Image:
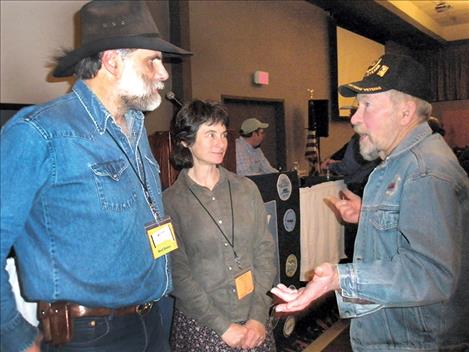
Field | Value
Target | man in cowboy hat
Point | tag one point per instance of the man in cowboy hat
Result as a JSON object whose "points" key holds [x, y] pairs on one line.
{"points": [[407, 287], [81, 195]]}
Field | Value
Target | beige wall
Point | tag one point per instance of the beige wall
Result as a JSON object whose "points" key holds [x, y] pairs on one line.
{"points": [[288, 39], [32, 32]]}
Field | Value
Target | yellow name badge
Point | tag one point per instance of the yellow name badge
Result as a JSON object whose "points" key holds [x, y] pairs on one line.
{"points": [[162, 238], [244, 284]]}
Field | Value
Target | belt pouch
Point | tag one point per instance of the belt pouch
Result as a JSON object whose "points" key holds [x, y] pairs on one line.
{"points": [[60, 323]]}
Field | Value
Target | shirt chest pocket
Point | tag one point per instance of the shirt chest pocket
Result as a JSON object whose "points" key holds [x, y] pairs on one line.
{"points": [[114, 186]]}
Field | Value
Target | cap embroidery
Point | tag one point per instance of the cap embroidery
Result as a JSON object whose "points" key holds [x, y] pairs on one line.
{"points": [[367, 90], [373, 68], [382, 71]]}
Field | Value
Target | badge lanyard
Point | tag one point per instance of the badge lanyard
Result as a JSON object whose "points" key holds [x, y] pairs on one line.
{"points": [[143, 182], [232, 243]]}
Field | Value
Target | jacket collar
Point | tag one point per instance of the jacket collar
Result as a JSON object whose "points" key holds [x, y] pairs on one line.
{"points": [[191, 183], [419, 133]]}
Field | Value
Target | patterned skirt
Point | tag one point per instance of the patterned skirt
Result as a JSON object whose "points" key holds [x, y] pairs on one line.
{"points": [[189, 336]]}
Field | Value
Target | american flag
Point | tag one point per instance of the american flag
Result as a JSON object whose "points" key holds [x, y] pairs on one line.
{"points": [[312, 151]]}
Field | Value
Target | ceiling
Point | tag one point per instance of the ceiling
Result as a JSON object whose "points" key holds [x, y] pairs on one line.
{"points": [[415, 24], [444, 20]]}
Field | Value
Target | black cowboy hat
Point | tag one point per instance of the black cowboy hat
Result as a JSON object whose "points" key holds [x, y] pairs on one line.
{"points": [[111, 24]]}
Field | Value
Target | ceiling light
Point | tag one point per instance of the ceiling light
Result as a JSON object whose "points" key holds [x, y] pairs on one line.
{"points": [[442, 6]]}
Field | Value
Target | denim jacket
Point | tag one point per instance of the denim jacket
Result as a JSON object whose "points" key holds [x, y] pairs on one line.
{"points": [[74, 210], [407, 287]]}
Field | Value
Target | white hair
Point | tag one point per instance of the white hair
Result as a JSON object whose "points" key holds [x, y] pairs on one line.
{"points": [[423, 108]]}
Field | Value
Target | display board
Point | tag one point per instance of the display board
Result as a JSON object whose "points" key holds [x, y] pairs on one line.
{"points": [[280, 192]]}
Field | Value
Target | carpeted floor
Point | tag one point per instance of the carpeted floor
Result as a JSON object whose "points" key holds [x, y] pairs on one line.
{"points": [[340, 344]]}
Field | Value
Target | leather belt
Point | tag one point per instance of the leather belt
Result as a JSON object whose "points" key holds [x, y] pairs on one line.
{"points": [[79, 311]]}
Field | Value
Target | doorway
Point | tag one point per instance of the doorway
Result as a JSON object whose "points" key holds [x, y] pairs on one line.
{"points": [[270, 111]]}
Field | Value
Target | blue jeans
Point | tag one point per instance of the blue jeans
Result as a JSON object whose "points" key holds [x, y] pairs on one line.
{"points": [[129, 333]]}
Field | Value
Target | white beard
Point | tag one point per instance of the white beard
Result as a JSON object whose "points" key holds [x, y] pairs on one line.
{"points": [[137, 92]]}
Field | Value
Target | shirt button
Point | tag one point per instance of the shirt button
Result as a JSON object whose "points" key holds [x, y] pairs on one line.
{"points": [[226, 244], [213, 198], [230, 268], [233, 290], [220, 222]]}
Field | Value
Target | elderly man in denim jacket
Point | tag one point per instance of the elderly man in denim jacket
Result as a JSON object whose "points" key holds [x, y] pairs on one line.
{"points": [[407, 288], [79, 188]]}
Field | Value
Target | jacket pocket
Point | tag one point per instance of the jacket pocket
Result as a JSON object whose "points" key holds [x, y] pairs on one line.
{"points": [[90, 330], [113, 184], [385, 220]]}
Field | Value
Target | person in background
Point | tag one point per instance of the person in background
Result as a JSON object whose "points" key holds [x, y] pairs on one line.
{"points": [[338, 155], [355, 171], [81, 195], [407, 287], [225, 264], [436, 125], [350, 164], [250, 160]]}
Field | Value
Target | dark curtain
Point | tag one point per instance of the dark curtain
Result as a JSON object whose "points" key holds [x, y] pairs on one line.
{"points": [[449, 71]]}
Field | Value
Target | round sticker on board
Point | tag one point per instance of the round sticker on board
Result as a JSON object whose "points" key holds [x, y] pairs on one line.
{"points": [[273, 318], [291, 265], [284, 187], [289, 326], [289, 220]]}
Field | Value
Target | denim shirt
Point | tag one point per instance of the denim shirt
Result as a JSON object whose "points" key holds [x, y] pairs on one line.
{"points": [[407, 287], [74, 210]]}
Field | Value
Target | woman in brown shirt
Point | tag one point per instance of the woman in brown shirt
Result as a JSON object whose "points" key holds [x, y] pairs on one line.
{"points": [[225, 262]]}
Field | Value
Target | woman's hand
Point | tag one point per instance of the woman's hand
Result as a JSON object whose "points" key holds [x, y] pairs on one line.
{"points": [[235, 335], [255, 335]]}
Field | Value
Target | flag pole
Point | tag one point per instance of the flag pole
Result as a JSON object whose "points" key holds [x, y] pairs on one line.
{"points": [[312, 150]]}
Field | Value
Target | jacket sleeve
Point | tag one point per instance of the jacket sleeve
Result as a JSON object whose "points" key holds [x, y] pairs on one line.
{"points": [[24, 170], [426, 267]]}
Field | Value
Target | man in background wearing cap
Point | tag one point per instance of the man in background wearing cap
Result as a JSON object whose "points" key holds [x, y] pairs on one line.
{"points": [[407, 286], [250, 160], [81, 195]]}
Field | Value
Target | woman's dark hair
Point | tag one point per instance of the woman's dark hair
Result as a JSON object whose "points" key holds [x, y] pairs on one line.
{"points": [[187, 122]]}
